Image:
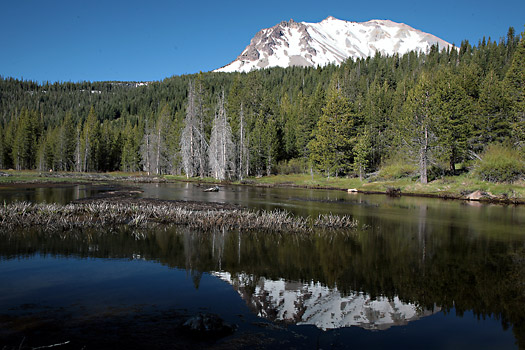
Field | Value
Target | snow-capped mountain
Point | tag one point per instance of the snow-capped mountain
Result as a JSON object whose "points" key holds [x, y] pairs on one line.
{"points": [[315, 304], [329, 41]]}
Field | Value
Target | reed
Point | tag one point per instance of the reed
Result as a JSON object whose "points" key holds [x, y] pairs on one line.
{"points": [[107, 214]]}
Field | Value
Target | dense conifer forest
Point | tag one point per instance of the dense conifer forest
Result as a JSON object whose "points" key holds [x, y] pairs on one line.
{"points": [[432, 114]]}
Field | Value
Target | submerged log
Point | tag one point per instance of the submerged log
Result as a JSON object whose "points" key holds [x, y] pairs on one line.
{"points": [[212, 189]]}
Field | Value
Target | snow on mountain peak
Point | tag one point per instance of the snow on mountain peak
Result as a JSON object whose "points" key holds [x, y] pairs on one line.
{"points": [[330, 41]]}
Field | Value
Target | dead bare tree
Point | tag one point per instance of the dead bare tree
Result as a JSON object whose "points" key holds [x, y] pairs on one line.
{"points": [[221, 148], [193, 143], [243, 152], [147, 149]]}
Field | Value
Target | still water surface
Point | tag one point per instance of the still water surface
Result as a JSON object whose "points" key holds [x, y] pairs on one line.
{"points": [[417, 273]]}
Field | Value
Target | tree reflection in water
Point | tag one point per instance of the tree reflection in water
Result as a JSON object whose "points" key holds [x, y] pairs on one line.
{"points": [[375, 277]]}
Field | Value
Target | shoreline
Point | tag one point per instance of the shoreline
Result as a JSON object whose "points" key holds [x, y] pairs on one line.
{"points": [[390, 188]]}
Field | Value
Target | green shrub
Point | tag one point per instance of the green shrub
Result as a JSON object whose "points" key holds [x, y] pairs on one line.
{"points": [[396, 169], [500, 164], [293, 166]]}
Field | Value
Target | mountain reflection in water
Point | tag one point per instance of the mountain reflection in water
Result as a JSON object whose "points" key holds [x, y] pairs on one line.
{"points": [[321, 306]]}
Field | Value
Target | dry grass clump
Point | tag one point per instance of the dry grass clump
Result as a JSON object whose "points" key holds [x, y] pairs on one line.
{"points": [[107, 214], [335, 221]]}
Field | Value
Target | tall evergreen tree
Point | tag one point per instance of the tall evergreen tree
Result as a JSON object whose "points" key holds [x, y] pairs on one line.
{"points": [[452, 108], [334, 136], [362, 152], [25, 140], [418, 126], [270, 142], [90, 143], [491, 122], [130, 159], [515, 88], [64, 152]]}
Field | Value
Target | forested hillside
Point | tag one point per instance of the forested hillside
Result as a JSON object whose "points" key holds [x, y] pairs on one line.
{"points": [[436, 112]]}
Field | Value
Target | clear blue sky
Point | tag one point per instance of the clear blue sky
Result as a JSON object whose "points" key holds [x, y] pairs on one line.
{"points": [[78, 40]]}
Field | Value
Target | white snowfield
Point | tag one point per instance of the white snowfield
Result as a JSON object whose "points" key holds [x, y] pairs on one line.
{"points": [[326, 308], [329, 41]]}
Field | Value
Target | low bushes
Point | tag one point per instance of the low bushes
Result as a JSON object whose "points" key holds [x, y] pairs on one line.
{"points": [[500, 163], [293, 166], [397, 169]]}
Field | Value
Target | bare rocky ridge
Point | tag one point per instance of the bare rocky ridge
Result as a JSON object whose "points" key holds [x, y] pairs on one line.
{"points": [[329, 41]]}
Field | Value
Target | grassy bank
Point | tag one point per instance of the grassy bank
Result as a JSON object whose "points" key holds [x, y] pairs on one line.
{"points": [[32, 176], [36, 177], [459, 187], [453, 187]]}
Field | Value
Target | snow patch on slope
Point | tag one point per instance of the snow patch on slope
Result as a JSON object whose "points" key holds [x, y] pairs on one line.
{"points": [[329, 41]]}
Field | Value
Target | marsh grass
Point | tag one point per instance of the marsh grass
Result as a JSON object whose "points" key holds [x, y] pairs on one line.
{"points": [[108, 214]]}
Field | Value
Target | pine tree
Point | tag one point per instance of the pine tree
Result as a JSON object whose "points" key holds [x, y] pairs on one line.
{"points": [[2, 148], [452, 107], [45, 150], [90, 143], [257, 146], [270, 143], [515, 88], [333, 139], [362, 151], [418, 125], [289, 119], [377, 110], [25, 141], [64, 151], [130, 149], [8, 143], [309, 114], [491, 122]]}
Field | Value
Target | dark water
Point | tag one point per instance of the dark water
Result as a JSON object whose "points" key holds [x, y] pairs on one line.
{"points": [[37, 193], [417, 273]]}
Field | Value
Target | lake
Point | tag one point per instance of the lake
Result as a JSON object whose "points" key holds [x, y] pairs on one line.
{"points": [[416, 273]]}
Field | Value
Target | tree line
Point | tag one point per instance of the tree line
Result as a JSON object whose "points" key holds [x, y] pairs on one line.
{"points": [[436, 110]]}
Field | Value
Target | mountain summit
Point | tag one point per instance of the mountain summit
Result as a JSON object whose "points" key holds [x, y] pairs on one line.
{"points": [[329, 41]]}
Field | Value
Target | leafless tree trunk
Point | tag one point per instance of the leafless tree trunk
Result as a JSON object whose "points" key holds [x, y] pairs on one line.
{"points": [[221, 149], [423, 156], [86, 151], [146, 149], [193, 143], [243, 147], [77, 152]]}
